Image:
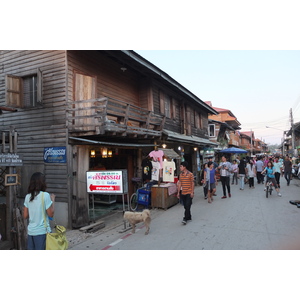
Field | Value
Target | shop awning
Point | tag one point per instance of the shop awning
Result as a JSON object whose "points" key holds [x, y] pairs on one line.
{"points": [[111, 143], [189, 139], [170, 153]]}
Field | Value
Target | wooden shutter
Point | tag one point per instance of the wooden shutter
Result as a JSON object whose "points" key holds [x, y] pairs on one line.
{"points": [[85, 89], [161, 103], [188, 121], [39, 86], [14, 93]]}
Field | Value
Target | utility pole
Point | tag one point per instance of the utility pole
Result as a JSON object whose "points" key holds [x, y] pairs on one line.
{"points": [[251, 143], [292, 128]]}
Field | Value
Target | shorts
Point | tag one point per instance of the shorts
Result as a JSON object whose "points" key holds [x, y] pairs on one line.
{"points": [[212, 186]]}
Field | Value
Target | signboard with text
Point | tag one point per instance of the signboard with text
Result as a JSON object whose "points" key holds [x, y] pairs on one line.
{"points": [[55, 155], [10, 160], [107, 182]]}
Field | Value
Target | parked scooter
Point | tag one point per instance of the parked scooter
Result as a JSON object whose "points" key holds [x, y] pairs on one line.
{"points": [[296, 171]]}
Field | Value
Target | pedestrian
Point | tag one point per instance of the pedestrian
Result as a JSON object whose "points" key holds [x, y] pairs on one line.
{"points": [[214, 163], [242, 173], [204, 179], [212, 181], [251, 173], [278, 170], [38, 206], [259, 168], [287, 164], [265, 161], [225, 169], [234, 170], [186, 184], [270, 171], [211, 158]]}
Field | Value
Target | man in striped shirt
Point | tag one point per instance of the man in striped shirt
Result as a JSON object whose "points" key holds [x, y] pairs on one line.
{"points": [[186, 186]]}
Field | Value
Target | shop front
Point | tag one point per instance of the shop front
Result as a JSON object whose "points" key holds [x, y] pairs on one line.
{"points": [[91, 156], [156, 164]]}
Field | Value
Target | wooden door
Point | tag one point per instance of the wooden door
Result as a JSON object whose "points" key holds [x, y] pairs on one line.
{"points": [[80, 199]]}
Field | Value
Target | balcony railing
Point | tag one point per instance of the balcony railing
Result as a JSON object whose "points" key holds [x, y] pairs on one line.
{"points": [[111, 116]]}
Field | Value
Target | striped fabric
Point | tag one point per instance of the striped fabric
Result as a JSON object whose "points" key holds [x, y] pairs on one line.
{"points": [[186, 182]]}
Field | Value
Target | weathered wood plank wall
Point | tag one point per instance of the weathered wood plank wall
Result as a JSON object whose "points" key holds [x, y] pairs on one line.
{"points": [[111, 80], [41, 126]]}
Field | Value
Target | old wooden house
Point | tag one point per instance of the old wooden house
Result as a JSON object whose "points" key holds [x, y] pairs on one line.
{"points": [[75, 111]]}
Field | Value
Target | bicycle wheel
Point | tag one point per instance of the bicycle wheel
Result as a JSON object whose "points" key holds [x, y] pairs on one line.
{"points": [[270, 190], [267, 191], [133, 201]]}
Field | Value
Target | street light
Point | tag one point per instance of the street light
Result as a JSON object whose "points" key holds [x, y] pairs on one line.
{"points": [[282, 137]]}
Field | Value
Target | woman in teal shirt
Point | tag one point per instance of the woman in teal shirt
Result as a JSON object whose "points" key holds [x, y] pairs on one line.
{"points": [[270, 171], [35, 209]]}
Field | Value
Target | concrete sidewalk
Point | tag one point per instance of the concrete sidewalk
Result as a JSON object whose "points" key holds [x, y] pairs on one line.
{"points": [[248, 220]]}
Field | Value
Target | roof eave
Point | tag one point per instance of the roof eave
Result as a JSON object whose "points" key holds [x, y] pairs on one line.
{"points": [[169, 79]]}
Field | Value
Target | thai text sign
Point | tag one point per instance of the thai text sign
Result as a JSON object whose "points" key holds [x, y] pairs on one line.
{"points": [[55, 155], [106, 182], [10, 160]]}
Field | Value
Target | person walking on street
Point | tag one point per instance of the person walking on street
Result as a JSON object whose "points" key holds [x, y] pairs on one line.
{"points": [[250, 172], [204, 180], [225, 168], [234, 169], [259, 169], [278, 170], [287, 169], [211, 158], [242, 173], [212, 181], [186, 184], [214, 163], [37, 204]]}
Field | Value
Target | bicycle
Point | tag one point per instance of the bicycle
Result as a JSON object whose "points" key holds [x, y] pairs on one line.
{"points": [[133, 201], [269, 188]]}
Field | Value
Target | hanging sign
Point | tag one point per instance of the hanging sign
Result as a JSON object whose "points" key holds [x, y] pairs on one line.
{"points": [[55, 155], [107, 182], [10, 160]]}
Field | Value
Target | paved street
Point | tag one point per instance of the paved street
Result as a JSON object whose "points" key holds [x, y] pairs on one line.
{"points": [[246, 221]]}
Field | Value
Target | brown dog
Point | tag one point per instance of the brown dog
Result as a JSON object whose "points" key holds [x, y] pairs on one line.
{"points": [[138, 217]]}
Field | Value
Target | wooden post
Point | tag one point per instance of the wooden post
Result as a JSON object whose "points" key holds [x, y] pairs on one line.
{"points": [[3, 141], [11, 194]]}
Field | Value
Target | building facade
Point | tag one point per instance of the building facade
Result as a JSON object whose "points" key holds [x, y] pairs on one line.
{"points": [[76, 111]]}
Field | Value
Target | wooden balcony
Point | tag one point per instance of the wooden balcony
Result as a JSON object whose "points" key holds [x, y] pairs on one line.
{"points": [[108, 116]]}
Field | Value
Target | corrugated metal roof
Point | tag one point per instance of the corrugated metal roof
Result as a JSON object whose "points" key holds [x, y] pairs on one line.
{"points": [[111, 143], [170, 153], [189, 139]]}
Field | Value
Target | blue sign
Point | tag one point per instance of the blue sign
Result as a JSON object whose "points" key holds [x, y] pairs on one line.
{"points": [[55, 155]]}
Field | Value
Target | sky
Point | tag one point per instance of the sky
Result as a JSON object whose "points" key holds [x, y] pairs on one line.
{"points": [[260, 87], [239, 55]]}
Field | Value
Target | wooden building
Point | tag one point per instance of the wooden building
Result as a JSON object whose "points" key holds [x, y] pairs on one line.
{"points": [[65, 104]]}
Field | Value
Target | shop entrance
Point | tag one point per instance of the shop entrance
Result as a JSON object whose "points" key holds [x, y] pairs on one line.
{"points": [[103, 158]]}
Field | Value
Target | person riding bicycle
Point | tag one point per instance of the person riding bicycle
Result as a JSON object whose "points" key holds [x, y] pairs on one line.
{"points": [[270, 171]]}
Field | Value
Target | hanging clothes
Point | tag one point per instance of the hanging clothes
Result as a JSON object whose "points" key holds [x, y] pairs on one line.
{"points": [[157, 155], [168, 171], [155, 170], [147, 169]]}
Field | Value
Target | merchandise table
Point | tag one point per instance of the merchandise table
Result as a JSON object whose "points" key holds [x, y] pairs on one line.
{"points": [[164, 195]]}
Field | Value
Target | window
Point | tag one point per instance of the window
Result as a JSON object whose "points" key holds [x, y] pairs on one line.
{"points": [[165, 104], [24, 91], [211, 130], [200, 121]]}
